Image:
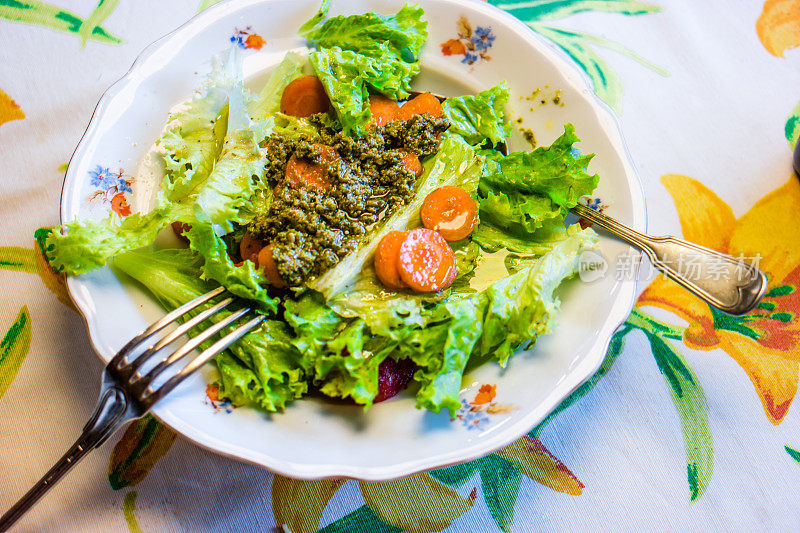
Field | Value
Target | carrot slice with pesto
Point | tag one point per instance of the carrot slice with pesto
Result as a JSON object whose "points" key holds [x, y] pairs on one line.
{"points": [[451, 211], [426, 262], [303, 97], [304, 173]]}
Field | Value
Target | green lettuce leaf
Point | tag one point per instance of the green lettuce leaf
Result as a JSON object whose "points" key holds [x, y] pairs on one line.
{"points": [[296, 127], [195, 135], [519, 213], [442, 350], [522, 306], [400, 35], [340, 72], [79, 247], [244, 281], [479, 117], [340, 353], [239, 172], [202, 183], [358, 52], [555, 171], [263, 369]]}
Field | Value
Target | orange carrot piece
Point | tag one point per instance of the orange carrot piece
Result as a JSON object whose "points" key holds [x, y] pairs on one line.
{"points": [[303, 97], [423, 103], [382, 110], [249, 247], [412, 164], [266, 262], [386, 260], [451, 211], [426, 262]]}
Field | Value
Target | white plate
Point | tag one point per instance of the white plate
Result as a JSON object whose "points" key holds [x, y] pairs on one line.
{"points": [[314, 439]]}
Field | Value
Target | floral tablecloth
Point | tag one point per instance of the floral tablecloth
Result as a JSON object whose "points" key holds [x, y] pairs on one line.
{"points": [[688, 424]]}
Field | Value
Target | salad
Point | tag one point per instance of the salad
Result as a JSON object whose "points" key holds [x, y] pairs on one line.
{"points": [[384, 233]]}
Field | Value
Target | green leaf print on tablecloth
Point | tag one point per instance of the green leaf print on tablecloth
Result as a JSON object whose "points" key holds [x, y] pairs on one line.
{"points": [[55, 18], [144, 442], [578, 45], [792, 128], [13, 348], [690, 400], [794, 454], [206, 3], [100, 13]]}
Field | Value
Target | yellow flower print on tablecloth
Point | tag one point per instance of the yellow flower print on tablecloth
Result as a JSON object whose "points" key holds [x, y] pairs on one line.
{"points": [[765, 341], [9, 109], [778, 26]]}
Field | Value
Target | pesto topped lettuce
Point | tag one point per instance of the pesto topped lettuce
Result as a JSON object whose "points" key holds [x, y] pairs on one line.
{"points": [[334, 331]]}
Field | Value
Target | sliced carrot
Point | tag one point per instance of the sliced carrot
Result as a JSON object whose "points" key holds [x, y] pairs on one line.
{"points": [[412, 164], [249, 247], [451, 211], [426, 262], [304, 173], [180, 228], [422, 103], [304, 96], [386, 259], [266, 262], [382, 110]]}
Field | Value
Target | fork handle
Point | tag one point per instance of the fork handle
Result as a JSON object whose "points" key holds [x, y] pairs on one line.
{"points": [[108, 416], [725, 282]]}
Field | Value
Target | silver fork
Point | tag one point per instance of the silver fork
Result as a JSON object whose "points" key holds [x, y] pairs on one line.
{"points": [[127, 391]]}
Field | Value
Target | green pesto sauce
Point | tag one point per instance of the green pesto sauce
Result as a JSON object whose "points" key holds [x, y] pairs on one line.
{"points": [[312, 230]]}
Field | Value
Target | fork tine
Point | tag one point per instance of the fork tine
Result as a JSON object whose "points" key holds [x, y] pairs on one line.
{"points": [[193, 343], [162, 323], [140, 360], [152, 396]]}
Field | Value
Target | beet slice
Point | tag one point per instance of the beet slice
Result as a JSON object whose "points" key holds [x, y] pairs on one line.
{"points": [[393, 377]]}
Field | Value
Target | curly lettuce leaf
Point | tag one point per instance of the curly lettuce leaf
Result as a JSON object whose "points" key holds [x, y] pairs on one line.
{"points": [[479, 117], [456, 163], [202, 183], [555, 171], [371, 34], [340, 72], [523, 306], [263, 369], [442, 349], [79, 247], [226, 196], [358, 52], [195, 135], [340, 353], [516, 212], [244, 281]]}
